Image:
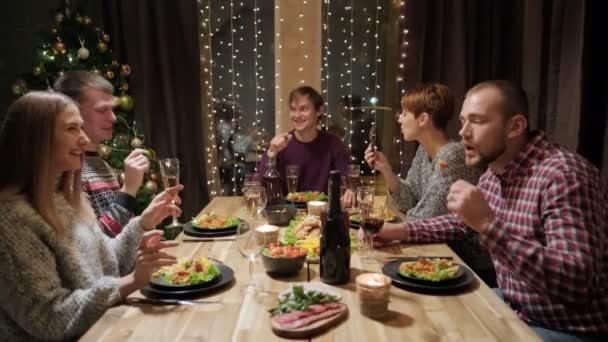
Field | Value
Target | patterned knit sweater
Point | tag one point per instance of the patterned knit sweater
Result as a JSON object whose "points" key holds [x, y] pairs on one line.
{"points": [[113, 208], [56, 288], [423, 194]]}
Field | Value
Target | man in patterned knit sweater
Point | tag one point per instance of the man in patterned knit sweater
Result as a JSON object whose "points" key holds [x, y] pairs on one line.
{"points": [[539, 209], [113, 205]]}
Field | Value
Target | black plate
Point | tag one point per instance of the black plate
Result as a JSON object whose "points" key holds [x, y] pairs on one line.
{"points": [[191, 231], [447, 286], [224, 229], [299, 205], [226, 277], [160, 284]]}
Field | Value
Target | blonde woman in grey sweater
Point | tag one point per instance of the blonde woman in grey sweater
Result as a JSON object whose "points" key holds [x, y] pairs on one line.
{"points": [[59, 272]]}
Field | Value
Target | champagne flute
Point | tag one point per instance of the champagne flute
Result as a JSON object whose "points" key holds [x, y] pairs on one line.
{"points": [[251, 179], [293, 171], [354, 176], [249, 247], [256, 199], [169, 170]]}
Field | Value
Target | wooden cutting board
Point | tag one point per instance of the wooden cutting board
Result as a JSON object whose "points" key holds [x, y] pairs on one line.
{"points": [[312, 329]]}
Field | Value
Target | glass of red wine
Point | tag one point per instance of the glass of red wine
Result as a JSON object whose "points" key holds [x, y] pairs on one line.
{"points": [[371, 223]]}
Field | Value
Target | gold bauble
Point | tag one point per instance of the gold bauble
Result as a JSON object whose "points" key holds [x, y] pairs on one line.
{"points": [[109, 74], [124, 86], [104, 151], [59, 47], [125, 70], [151, 187], [136, 142], [155, 176], [120, 140], [59, 17], [120, 176], [126, 102], [102, 47], [83, 53], [105, 37]]}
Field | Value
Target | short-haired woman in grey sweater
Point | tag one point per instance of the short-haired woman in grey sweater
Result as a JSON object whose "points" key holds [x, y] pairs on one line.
{"points": [[439, 162], [59, 272]]}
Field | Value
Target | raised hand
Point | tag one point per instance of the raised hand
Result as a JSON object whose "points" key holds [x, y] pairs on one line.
{"points": [[467, 202], [377, 160], [162, 206], [135, 165], [150, 257], [279, 142]]}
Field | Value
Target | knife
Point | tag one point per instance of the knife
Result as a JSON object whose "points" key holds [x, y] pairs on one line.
{"points": [[209, 240], [136, 301]]}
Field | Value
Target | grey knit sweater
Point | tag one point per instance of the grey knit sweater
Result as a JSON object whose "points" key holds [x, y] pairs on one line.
{"points": [[423, 193], [56, 288]]}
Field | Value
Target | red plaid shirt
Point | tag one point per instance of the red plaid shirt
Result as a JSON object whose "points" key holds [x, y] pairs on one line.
{"points": [[549, 241]]}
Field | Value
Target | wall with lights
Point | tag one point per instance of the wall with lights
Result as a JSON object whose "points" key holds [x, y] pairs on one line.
{"points": [[297, 51]]}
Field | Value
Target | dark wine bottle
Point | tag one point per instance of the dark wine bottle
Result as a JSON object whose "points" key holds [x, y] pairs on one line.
{"points": [[272, 181], [335, 240]]}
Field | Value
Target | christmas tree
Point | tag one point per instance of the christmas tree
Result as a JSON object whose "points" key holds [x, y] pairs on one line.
{"points": [[74, 42]]}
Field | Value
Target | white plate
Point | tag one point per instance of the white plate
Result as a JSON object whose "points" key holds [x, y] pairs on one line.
{"points": [[314, 286]]}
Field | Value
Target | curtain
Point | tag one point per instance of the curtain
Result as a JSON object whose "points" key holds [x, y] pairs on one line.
{"points": [[161, 42], [552, 48]]}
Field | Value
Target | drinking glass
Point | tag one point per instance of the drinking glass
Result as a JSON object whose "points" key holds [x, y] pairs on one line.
{"points": [[249, 247], [256, 199], [292, 172], [251, 179], [365, 201], [354, 176], [169, 171], [372, 221]]}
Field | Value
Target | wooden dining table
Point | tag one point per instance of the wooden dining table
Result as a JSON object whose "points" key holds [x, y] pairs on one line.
{"points": [[475, 314]]}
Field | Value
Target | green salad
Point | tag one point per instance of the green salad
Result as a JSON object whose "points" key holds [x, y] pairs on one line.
{"points": [[435, 269], [188, 272]]}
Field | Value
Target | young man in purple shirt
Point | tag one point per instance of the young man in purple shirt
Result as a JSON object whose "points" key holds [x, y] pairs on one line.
{"points": [[314, 151], [539, 209]]}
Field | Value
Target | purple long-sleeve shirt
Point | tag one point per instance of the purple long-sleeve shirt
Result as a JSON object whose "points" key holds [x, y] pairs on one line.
{"points": [[315, 159]]}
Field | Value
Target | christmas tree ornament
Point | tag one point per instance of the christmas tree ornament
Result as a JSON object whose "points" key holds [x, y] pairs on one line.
{"points": [[115, 63], [125, 70], [83, 53], [120, 176], [37, 70], [59, 17], [109, 74], [124, 86], [79, 19], [17, 90], [151, 187], [59, 47], [154, 176], [136, 142], [121, 140], [104, 151], [105, 37], [102, 47], [126, 102], [87, 20]]}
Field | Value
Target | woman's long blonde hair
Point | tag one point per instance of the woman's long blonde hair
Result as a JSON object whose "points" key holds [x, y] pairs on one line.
{"points": [[27, 144]]}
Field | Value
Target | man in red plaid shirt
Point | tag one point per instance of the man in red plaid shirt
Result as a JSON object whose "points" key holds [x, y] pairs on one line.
{"points": [[540, 210]]}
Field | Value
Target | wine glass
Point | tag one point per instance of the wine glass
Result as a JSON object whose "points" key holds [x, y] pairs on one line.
{"points": [[169, 171], [256, 199], [292, 171], [354, 174], [249, 247], [251, 179], [365, 200]]}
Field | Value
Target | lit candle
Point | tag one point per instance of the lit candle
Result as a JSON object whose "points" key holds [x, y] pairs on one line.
{"points": [[266, 234], [316, 207], [374, 291]]}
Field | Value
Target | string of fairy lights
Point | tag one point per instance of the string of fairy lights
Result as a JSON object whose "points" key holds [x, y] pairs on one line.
{"points": [[346, 47], [211, 149]]}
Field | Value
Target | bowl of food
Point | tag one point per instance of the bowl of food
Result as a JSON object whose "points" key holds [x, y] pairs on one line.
{"points": [[283, 260], [280, 214]]}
